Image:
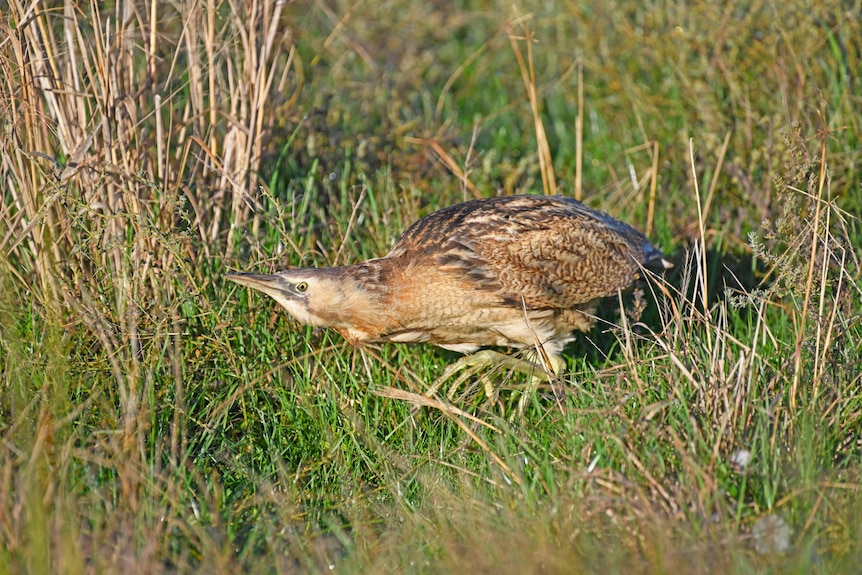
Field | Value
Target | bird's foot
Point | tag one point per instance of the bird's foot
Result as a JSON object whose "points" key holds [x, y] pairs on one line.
{"points": [[471, 364]]}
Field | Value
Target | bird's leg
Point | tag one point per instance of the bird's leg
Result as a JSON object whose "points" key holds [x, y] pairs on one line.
{"points": [[471, 364], [543, 375]]}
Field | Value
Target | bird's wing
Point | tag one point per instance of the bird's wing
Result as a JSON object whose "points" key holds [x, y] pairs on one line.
{"points": [[562, 266], [553, 252]]}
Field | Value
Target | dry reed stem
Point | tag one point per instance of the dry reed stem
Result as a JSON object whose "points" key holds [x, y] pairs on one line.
{"points": [[528, 75]]}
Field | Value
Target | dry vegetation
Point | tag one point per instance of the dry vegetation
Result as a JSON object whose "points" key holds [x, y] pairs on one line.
{"points": [[154, 419]]}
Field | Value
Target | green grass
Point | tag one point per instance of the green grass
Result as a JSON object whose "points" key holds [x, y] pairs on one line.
{"points": [[156, 418]]}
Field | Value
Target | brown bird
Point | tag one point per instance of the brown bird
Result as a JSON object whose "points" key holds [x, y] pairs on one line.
{"points": [[514, 271]]}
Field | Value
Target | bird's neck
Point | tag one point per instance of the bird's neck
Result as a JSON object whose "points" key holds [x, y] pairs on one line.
{"points": [[364, 310]]}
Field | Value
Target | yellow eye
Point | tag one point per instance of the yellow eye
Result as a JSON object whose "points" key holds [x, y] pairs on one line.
{"points": [[301, 286]]}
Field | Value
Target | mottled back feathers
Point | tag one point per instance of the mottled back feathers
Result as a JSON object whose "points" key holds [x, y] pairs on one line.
{"points": [[552, 251]]}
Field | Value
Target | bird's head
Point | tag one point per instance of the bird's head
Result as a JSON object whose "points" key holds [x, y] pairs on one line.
{"points": [[313, 296], [320, 297]]}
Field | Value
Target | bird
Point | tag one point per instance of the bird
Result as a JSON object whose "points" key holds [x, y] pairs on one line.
{"points": [[516, 272]]}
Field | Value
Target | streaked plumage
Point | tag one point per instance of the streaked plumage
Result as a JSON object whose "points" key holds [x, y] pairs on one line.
{"points": [[461, 278]]}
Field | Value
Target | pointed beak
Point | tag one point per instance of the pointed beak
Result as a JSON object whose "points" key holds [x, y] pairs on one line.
{"points": [[270, 284]]}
